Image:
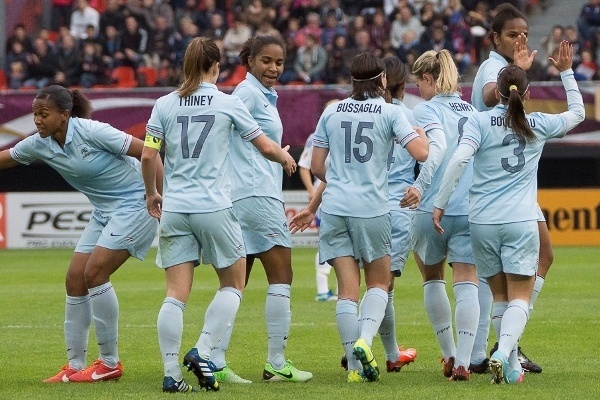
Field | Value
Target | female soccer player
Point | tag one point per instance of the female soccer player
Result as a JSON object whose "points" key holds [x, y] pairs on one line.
{"points": [[509, 35], [258, 203], [100, 162], [357, 135], [506, 144], [401, 174], [443, 116], [196, 216]]}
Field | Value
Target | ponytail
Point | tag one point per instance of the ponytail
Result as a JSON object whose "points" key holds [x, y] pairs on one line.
{"points": [[440, 65], [512, 85]]}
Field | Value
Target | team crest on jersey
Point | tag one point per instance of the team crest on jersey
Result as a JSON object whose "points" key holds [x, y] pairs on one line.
{"points": [[85, 152]]}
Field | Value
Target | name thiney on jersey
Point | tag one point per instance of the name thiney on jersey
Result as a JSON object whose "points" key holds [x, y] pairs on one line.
{"points": [[190, 101]]}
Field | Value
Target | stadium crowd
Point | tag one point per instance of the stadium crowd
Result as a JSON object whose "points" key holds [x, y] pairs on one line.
{"points": [[129, 43]]}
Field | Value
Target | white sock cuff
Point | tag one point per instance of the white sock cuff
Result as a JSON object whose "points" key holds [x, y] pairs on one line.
{"points": [[345, 306], [175, 302], [434, 282], [498, 308], [539, 282], [232, 290], [74, 300], [279, 289], [375, 291], [98, 290], [522, 304], [462, 290]]}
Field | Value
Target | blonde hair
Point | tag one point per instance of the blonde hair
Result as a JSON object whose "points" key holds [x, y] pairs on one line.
{"points": [[443, 69]]}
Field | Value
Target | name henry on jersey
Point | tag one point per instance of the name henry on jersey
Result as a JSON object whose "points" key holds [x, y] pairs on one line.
{"points": [[461, 107], [191, 101], [359, 108]]}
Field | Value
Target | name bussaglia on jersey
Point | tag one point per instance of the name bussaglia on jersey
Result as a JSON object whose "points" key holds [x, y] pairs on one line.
{"points": [[359, 108]]}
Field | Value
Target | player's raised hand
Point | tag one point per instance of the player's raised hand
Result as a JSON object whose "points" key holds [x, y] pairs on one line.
{"points": [[564, 60], [521, 56]]}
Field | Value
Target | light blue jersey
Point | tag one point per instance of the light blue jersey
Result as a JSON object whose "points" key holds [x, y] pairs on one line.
{"points": [[196, 131], [448, 113], [504, 186], [251, 173], [401, 165], [359, 137], [93, 161], [487, 72]]}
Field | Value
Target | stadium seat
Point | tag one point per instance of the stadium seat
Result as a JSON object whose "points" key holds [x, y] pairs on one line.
{"points": [[149, 76], [3, 82], [125, 77], [238, 75]]}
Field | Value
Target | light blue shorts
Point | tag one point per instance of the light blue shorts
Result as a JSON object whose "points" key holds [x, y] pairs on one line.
{"points": [[510, 248], [132, 231], [215, 238], [401, 242], [365, 239], [263, 222], [454, 244]]}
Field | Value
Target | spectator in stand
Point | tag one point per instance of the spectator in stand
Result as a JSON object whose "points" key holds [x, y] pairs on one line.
{"points": [[312, 27], [93, 69], [338, 65], [379, 30], [267, 29], [217, 28], [16, 65], [188, 30], [460, 34], [291, 51], [427, 14], [572, 37], [333, 7], [112, 54], [256, 13], [43, 65], [479, 21], [587, 70], [404, 20], [82, 16], [61, 13], [331, 30], [436, 38], [292, 32], [358, 24], [311, 61], [69, 62], [391, 7], [19, 34], [146, 12], [234, 39], [283, 12], [408, 48], [163, 42], [303, 8], [206, 13], [134, 43], [189, 10], [552, 40], [113, 14], [363, 44]]}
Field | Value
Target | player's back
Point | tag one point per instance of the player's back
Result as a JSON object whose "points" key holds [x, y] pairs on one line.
{"points": [[449, 113]]}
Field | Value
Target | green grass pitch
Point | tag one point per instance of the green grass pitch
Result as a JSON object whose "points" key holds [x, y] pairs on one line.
{"points": [[563, 335]]}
